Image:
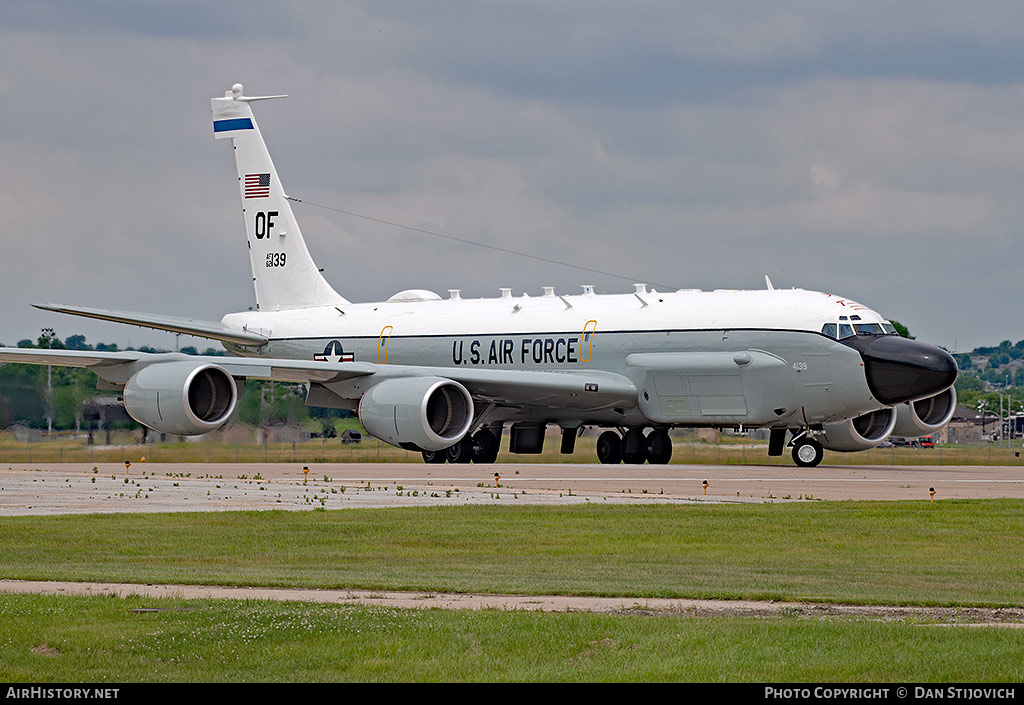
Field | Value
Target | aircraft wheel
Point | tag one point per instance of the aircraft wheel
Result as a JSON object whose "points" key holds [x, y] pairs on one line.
{"points": [[634, 447], [433, 457], [461, 452], [609, 448], [485, 447], [807, 452], [659, 447]]}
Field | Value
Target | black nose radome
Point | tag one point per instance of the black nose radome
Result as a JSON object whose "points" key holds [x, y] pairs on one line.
{"points": [[899, 369]]}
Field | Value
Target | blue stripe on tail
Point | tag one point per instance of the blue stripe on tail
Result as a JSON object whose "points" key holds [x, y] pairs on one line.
{"points": [[229, 125]]}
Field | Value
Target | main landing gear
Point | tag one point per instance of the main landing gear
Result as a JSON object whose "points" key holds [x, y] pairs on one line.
{"points": [[481, 447], [633, 447]]}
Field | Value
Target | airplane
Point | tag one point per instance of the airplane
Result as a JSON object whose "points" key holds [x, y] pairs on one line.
{"points": [[445, 377]]}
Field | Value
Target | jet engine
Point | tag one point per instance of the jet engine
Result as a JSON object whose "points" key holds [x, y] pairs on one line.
{"points": [[183, 398], [417, 413], [925, 416], [861, 433]]}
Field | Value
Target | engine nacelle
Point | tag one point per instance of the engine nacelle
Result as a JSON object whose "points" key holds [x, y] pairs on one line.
{"points": [[925, 416], [861, 433], [182, 398], [417, 413]]}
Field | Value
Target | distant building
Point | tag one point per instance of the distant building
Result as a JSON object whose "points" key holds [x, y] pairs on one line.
{"points": [[104, 410], [968, 426], [26, 434], [282, 433]]}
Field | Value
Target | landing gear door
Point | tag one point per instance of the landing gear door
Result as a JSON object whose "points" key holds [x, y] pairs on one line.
{"points": [[814, 373]]}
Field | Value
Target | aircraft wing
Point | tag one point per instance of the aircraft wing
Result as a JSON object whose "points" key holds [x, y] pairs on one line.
{"points": [[189, 326], [579, 390], [590, 390], [69, 358]]}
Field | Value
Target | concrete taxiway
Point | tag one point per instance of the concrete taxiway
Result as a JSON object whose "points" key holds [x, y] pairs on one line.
{"points": [[72, 488]]}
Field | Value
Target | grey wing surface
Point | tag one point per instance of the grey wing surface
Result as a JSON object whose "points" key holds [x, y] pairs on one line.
{"points": [[576, 390]]}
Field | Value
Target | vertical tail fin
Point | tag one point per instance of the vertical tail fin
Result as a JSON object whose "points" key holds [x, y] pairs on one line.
{"points": [[283, 272]]}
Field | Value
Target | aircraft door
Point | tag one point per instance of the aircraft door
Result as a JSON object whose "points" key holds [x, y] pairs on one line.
{"points": [[587, 341], [815, 373], [382, 344]]}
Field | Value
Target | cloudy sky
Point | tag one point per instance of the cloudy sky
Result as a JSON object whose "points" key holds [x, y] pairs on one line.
{"points": [[873, 149]]}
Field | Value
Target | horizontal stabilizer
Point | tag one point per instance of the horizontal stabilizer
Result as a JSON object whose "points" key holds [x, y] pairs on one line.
{"points": [[201, 329]]}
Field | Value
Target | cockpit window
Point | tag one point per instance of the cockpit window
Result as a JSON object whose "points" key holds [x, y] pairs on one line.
{"points": [[839, 331]]}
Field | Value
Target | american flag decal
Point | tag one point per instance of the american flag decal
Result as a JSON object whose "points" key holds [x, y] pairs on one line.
{"points": [[257, 185]]}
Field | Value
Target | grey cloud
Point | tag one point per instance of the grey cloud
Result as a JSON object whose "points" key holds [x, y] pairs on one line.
{"points": [[857, 148]]}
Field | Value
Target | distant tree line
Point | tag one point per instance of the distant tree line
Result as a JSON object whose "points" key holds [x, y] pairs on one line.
{"points": [[986, 373], [26, 398]]}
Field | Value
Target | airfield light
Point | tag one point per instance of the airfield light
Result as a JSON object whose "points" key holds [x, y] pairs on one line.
{"points": [[931, 491], [705, 488], [305, 473], [127, 466], [497, 479]]}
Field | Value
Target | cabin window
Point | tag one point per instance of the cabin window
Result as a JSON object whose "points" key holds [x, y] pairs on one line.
{"points": [[829, 329]]}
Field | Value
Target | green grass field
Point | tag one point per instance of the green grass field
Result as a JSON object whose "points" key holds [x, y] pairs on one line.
{"points": [[97, 639], [948, 553], [910, 553]]}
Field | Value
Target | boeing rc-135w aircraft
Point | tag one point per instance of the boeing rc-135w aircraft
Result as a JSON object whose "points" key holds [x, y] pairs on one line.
{"points": [[446, 376]]}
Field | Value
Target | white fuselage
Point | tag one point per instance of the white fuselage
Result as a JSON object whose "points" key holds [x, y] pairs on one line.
{"points": [[824, 379]]}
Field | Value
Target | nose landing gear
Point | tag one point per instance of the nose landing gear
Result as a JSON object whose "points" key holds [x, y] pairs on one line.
{"points": [[807, 452]]}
